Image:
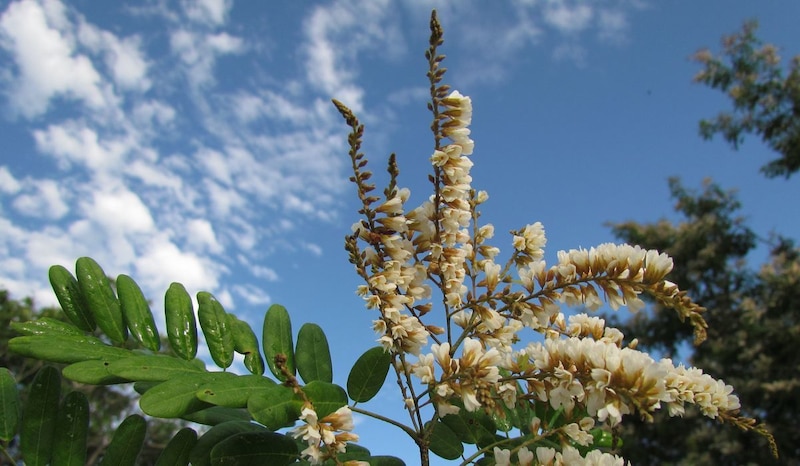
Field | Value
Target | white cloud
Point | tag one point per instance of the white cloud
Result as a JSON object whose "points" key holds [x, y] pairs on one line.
{"points": [[223, 200], [199, 51], [338, 33], [44, 199], [252, 294], [46, 60], [571, 52], [119, 210], [264, 272], [200, 235], [8, 184], [75, 143], [216, 165], [613, 25], [314, 249], [210, 12], [569, 19], [153, 112], [122, 56], [163, 262]]}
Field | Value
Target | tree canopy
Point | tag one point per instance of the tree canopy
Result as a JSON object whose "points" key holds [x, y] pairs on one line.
{"points": [[766, 100]]}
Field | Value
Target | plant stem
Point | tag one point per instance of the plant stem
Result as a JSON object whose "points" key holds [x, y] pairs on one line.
{"points": [[404, 427]]}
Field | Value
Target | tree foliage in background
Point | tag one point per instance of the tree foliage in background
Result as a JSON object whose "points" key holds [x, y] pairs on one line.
{"points": [[765, 102], [753, 313], [107, 405], [754, 324]]}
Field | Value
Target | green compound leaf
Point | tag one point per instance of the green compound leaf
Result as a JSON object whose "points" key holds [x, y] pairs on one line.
{"points": [[70, 298], [368, 374], [103, 303], [157, 367], [444, 442], [179, 448], [235, 391], [126, 443], [9, 405], [46, 326], [275, 407], [69, 445], [137, 314], [312, 355], [214, 322], [250, 448], [201, 453], [39, 417], [181, 324], [177, 396], [326, 397], [92, 372], [277, 339], [65, 349]]}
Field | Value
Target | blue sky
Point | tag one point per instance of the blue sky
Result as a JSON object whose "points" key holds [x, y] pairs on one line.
{"points": [[194, 141]]}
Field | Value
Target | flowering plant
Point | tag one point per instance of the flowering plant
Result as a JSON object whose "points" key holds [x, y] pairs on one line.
{"points": [[481, 350]]}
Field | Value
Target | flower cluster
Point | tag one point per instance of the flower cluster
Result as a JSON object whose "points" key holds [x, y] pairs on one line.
{"points": [[545, 456], [321, 434], [578, 367]]}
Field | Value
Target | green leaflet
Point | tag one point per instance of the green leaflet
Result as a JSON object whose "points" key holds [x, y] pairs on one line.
{"points": [[156, 367], [92, 372], [250, 448], [103, 303], [246, 343], [181, 324], [254, 363], [233, 392], [473, 428], [137, 314], [177, 396], [69, 445], [217, 415], [214, 322], [9, 405], [444, 442], [277, 340], [385, 460], [201, 453], [275, 407], [604, 439], [368, 374], [65, 349], [46, 326], [326, 397], [69, 296], [126, 443], [177, 451], [39, 417], [312, 355]]}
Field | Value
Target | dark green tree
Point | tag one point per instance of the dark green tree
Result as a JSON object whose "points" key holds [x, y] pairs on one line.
{"points": [[754, 323], [765, 101]]}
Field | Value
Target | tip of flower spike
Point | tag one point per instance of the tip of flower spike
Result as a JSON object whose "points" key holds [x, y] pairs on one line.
{"points": [[345, 111]]}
